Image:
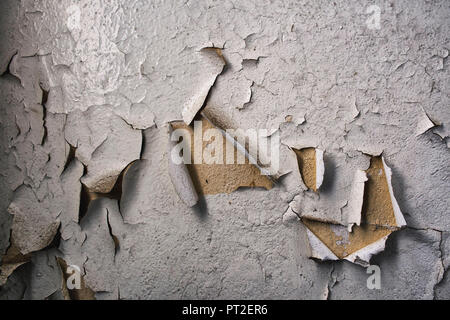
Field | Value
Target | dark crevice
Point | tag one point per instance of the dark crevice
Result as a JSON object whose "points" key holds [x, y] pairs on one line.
{"points": [[44, 114], [85, 199], [56, 240], [116, 191], [7, 75], [116, 241], [8, 67], [44, 96], [70, 156], [87, 196], [142, 145]]}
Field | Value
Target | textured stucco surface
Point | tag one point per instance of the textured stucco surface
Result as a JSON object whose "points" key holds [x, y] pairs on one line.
{"points": [[87, 89]]}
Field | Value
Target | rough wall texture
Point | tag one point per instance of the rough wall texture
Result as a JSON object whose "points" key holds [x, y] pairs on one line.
{"points": [[88, 87]]}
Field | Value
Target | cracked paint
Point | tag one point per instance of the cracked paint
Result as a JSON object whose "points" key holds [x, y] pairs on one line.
{"points": [[88, 89]]}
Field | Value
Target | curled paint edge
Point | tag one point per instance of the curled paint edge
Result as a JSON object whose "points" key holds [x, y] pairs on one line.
{"points": [[180, 177], [196, 102], [424, 124], [318, 249], [356, 199], [363, 255], [399, 218], [320, 168]]}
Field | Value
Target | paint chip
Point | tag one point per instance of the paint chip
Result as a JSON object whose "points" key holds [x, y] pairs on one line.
{"points": [[216, 63], [424, 124], [311, 166], [367, 232]]}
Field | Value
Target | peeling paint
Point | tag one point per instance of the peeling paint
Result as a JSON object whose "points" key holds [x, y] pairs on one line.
{"points": [[88, 89]]}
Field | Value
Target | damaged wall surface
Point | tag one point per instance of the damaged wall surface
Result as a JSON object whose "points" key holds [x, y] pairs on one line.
{"points": [[91, 91]]}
